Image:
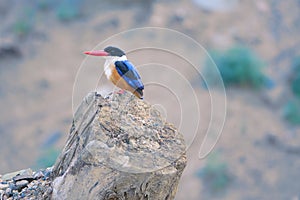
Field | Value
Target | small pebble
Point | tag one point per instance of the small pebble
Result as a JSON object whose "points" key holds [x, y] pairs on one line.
{"points": [[3, 197], [49, 190], [21, 184], [23, 177], [22, 195], [3, 186], [47, 174], [12, 186], [38, 175], [8, 191]]}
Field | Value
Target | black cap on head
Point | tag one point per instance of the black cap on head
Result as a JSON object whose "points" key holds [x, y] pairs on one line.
{"points": [[114, 51]]}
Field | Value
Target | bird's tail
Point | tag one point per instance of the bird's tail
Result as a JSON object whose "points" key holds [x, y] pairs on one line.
{"points": [[138, 93]]}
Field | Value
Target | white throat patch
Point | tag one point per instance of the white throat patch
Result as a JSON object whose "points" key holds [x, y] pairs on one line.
{"points": [[110, 60]]}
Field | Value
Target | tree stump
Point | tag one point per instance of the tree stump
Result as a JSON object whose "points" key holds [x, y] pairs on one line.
{"points": [[119, 147]]}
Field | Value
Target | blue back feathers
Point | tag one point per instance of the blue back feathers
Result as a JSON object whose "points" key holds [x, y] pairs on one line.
{"points": [[130, 74]]}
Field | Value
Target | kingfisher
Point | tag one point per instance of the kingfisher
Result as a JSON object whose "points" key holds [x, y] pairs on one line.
{"points": [[119, 70]]}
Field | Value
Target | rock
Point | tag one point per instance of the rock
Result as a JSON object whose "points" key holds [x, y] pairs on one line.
{"points": [[23, 177], [22, 195], [3, 186], [47, 172], [119, 147], [12, 186], [21, 184], [8, 192], [9, 176], [2, 194], [25, 185], [38, 175]]}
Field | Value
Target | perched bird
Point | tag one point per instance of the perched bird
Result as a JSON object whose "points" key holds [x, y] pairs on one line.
{"points": [[119, 70]]}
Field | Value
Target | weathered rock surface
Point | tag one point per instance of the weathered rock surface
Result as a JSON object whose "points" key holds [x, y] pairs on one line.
{"points": [[119, 147], [26, 184]]}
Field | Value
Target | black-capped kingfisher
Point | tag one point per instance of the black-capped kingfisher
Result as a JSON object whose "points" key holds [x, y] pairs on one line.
{"points": [[119, 70]]}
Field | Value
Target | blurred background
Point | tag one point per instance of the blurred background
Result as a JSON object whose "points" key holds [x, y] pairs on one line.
{"points": [[255, 45]]}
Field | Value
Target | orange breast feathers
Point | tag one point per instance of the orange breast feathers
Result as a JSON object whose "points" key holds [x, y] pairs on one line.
{"points": [[116, 79]]}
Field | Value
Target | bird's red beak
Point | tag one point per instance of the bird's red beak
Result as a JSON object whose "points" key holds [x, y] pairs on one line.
{"points": [[96, 53]]}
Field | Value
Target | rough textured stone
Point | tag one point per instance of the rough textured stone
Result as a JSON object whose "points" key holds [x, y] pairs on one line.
{"points": [[3, 186], [119, 147], [13, 174], [23, 177], [22, 186]]}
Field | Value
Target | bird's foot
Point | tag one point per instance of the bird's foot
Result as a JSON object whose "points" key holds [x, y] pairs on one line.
{"points": [[120, 91]]}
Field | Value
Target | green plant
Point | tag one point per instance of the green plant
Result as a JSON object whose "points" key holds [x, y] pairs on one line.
{"points": [[215, 173], [237, 66], [296, 85], [22, 28], [295, 79], [47, 158], [291, 112], [24, 23], [68, 10]]}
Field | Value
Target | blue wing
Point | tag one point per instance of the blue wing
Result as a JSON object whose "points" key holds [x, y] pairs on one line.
{"points": [[130, 75]]}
